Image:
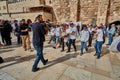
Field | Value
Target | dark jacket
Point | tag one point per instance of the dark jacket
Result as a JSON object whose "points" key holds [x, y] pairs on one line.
{"points": [[38, 33]]}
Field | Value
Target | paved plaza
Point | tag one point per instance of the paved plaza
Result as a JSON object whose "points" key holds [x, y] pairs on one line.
{"points": [[61, 66]]}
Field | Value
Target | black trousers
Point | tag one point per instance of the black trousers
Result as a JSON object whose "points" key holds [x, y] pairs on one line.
{"points": [[8, 39], [19, 40], [72, 41], [3, 37], [63, 44], [90, 40]]}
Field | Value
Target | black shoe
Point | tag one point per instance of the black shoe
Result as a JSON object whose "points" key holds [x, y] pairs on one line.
{"points": [[86, 49], [62, 50], [95, 54], [46, 61], [98, 57], [75, 50], [67, 51], [54, 47], [34, 70], [81, 54]]}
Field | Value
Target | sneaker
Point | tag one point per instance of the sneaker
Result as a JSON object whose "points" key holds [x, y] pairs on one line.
{"points": [[34, 70]]}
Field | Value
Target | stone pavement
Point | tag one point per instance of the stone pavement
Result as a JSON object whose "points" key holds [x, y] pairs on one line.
{"points": [[61, 66]]}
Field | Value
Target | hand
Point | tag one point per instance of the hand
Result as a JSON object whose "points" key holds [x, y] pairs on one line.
{"points": [[26, 29]]}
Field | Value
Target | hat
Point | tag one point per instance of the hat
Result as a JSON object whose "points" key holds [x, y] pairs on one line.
{"points": [[37, 15]]}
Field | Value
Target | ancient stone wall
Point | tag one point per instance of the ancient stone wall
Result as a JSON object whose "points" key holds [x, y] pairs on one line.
{"points": [[88, 11], [102, 14], [22, 6], [114, 11]]}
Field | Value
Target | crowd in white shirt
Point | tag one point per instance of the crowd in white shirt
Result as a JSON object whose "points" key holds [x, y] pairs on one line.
{"points": [[67, 33]]}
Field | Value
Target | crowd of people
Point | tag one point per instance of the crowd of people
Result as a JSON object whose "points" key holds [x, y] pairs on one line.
{"points": [[61, 35], [68, 32]]}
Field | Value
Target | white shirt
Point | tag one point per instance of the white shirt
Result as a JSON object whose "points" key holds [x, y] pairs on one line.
{"points": [[84, 35], [66, 38], [57, 31], [73, 30], [100, 35], [52, 31], [90, 30], [13, 26]]}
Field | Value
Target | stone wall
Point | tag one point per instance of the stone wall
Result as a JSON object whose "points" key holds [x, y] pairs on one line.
{"points": [[85, 11], [88, 10], [73, 10], [114, 11], [31, 16], [22, 6], [102, 14], [3, 7]]}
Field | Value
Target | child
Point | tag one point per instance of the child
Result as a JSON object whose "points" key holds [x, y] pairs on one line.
{"points": [[84, 39]]}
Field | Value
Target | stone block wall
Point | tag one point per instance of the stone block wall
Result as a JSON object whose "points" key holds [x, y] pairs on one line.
{"points": [[3, 7], [89, 9], [114, 11], [102, 11], [23, 6]]}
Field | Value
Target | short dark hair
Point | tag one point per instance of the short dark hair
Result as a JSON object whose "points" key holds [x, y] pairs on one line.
{"points": [[23, 20]]}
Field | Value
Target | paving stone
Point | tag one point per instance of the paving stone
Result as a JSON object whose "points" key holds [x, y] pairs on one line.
{"points": [[65, 78], [52, 73], [99, 77], [104, 64], [5, 76], [77, 74]]}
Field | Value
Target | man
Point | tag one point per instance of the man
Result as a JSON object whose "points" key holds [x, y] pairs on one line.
{"points": [[99, 41], [38, 39], [18, 33], [1, 31], [111, 34], [24, 29], [7, 29], [57, 36], [72, 35], [90, 29], [65, 37], [84, 39]]}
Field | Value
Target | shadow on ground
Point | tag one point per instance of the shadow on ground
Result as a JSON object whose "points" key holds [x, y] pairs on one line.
{"points": [[4, 51], [17, 60], [60, 60]]}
